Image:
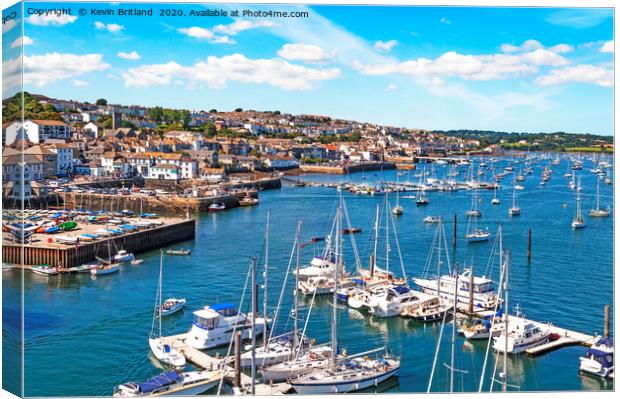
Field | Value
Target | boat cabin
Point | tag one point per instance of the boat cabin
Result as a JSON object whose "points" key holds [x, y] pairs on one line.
{"points": [[209, 317]]}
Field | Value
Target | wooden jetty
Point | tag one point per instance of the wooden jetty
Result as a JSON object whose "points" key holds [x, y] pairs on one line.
{"points": [[207, 362]]}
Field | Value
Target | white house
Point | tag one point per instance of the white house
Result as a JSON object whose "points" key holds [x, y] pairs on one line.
{"points": [[164, 172], [282, 163], [64, 158], [37, 130]]}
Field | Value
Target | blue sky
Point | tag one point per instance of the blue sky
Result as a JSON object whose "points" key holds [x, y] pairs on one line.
{"points": [[510, 69]]}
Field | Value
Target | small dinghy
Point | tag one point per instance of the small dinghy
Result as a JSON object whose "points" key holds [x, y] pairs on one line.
{"points": [[135, 262], [171, 306], [123, 256], [83, 268], [217, 207], [44, 270], [181, 252]]}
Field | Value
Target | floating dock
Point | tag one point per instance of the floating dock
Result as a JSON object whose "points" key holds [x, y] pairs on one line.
{"points": [[207, 362]]}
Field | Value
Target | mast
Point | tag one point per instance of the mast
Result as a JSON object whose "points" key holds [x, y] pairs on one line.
{"points": [[296, 303], [253, 301], [335, 296], [504, 380], [578, 216], [598, 193], [374, 260], [159, 289], [387, 233], [456, 283], [439, 229], [265, 273]]}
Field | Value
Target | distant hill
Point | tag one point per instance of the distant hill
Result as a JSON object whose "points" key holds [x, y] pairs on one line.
{"points": [[33, 109]]}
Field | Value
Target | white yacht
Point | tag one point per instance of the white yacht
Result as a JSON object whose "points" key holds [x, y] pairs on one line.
{"points": [[514, 210], [521, 335], [319, 266], [363, 297], [599, 358], [484, 293], [578, 222], [393, 301], [278, 350], [478, 235], [598, 211], [214, 326], [170, 383]]}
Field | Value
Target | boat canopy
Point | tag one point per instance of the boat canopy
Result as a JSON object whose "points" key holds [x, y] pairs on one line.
{"points": [[400, 289], [225, 309], [606, 359], [159, 381]]}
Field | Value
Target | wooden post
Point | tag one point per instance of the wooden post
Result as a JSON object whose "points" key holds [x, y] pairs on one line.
{"points": [[471, 291], [454, 233], [529, 244], [606, 329], [237, 381]]}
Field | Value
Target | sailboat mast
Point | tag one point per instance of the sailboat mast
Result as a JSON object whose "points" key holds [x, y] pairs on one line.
{"points": [[159, 289], [439, 229], [387, 233], [296, 304], [253, 302], [598, 193], [456, 288], [335, 297], [374, 260], [504, 380], [265, 335]]}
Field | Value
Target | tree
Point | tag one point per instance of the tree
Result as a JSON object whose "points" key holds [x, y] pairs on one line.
{"points": [[213, 111], [238, 109], [209, 129], [101, 102]]}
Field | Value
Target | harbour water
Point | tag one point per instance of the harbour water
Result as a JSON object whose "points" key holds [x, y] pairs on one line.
{"points": [[85, 335]]}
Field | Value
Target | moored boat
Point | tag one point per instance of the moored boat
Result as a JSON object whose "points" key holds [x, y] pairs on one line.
{"points": [[171, 306], [44, 270], [217, 207], [170, 383], [181, 252], [599, 358]]}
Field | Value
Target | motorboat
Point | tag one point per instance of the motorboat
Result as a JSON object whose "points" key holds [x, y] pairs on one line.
{"points": [[319, 266], [521, 335], [426, 310], [123, 256], [599, 358], [170, 383], [171, 306], [181, 252], [217, 207], [44, 270], [214, 326], [248, 201], [322, 285], [433, 219], [393, 301], [484, 294]]}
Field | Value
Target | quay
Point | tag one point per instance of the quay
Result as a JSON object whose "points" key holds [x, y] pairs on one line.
{"points": [[347, 169], [44, 250], [207, 362]]}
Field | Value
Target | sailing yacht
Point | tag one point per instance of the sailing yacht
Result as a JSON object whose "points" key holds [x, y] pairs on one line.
{"points": [[475, 234], [578, 222], [397, 210], [495, 200], [320, 266], [598, 211], [514, 210], [421, 198], [358, 371], [164, 352], [474, 211]]}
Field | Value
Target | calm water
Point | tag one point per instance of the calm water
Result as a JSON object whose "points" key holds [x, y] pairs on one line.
{"points": [[85, 335]]}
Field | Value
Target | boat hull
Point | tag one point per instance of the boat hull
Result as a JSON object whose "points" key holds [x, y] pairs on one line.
{"points": [[343, 387]]}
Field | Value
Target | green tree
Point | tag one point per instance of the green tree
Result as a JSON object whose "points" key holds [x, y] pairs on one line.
{"points": [[238, 109], [101, 102]]}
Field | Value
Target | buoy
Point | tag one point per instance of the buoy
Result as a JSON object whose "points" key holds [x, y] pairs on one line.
{"points": [[564, 205]]}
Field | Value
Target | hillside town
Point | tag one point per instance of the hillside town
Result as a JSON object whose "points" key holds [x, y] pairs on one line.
{"points": [[65, 138]]}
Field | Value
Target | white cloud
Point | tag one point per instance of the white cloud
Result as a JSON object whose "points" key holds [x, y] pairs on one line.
{"points": [[241, 25], [590, 74], [215, 72], [8, 25], [471, 67], [79, 83], [41, 70], [531, 45], [111, 76], [580, 18], [51, 19], [112, 28], [445, 20], [132, 55], [385, 46], [205, 34], [391, 87], [607, 47], [304, 52], [25, 40]]}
